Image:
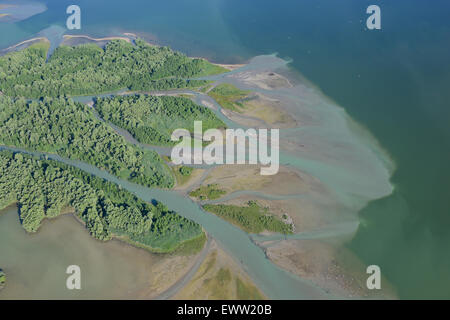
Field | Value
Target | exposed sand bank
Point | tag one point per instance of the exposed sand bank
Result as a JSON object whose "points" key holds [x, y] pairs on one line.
{"points": [[194, 178], [261, 111], [24, 43], [219, 277], [267, 80], [326, 142], [238, 177], [68, 37], [230, 67]]}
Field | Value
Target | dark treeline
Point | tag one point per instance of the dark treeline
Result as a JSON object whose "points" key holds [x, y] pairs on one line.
{"points": [[43, 188], [88, 69], [152, 119]]}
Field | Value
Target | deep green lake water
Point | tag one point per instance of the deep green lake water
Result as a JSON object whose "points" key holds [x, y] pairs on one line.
{"points": [[393, 81]]}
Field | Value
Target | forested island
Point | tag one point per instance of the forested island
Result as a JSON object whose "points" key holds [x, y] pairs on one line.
{"points": [[90, 70]]}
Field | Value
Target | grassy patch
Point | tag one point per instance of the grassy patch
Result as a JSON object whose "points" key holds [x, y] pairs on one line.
{"points": [[192, 246], [208, 69], [252, 218], [220, 284], [209, 192], [228, 96], [223, 276], [247, 291]]}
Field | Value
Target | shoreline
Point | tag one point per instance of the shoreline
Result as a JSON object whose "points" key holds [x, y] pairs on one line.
{"points": [[70, 36], [43, 39], [127, 38], [230, 67]]}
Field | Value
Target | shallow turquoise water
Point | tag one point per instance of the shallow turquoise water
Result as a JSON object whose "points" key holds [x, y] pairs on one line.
{"points": [[393, 82]]}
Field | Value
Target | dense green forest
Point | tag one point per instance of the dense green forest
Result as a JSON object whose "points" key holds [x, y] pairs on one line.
{"points": [[252, 218], [71, 130], [209, 192], [153, 119], [42, 188], [88, 69]]}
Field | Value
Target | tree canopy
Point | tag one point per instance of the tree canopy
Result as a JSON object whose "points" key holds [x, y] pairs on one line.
{"points": [[152, 119], [88, 69]]}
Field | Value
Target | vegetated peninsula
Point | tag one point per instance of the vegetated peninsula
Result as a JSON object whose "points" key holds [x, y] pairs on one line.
{"points": [[88, 69], [44, 188]]}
